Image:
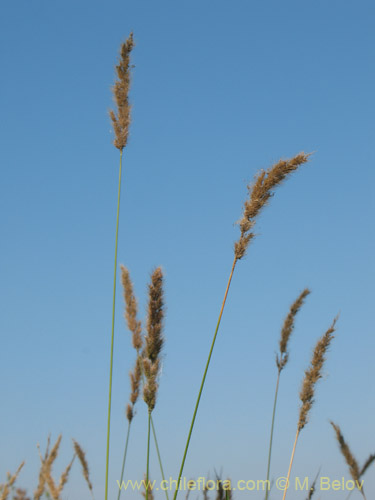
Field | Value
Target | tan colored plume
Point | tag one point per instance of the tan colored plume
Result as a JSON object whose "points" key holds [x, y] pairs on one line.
{"points": [[288, 328], [85, 468], [121, 121], [313, 374], [6, 488], [260, 193], [154, 338]]}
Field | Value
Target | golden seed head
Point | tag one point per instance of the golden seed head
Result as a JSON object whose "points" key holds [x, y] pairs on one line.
{"points": [[287, 329], [313, 374], [259, 194], [64, 476], [45, 473], [135, 381], [82, 458], [121, 122], [348, 455], [154, 339], [131, 309]]}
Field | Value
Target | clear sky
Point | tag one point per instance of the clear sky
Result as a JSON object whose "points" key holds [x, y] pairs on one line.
{"points": [[219, 90]]}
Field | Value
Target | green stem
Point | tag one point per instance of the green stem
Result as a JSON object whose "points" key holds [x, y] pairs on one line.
{"points": [[112, 333], [124, 459], [148, 453], [159, 457], [271, 437], [204, 378]]}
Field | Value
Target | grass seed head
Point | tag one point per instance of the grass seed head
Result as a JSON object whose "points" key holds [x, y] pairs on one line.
{"points": [[121, 121], [85, 468], [260, 193], [313, 374], [155, 317], [348, 455], [367, 464], [129, 412], [45, 473], [135, 381], [6, 488], [287, 329], [65, 475], [131, 309], [154, 339]]}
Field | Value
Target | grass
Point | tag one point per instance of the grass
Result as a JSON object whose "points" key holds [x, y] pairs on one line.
{"points": [[148, 341]]}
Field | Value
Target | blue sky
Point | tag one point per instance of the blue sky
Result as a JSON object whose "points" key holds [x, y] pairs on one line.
{"points": [[219, 90]]}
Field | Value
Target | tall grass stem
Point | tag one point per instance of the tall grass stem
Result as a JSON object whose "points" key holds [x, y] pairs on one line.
{"points": [[290, 464], [148, 454], [159, 457], [204, 378], [124, 460], [112, 332], [271, 435]]}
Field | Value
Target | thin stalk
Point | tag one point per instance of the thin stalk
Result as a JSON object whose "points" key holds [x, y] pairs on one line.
{"points": [[159, 457], [124, 459], [148, 453], [290, 464], [155, 439], [112, 333], [204, 378], [350, 494], [271, 436]]}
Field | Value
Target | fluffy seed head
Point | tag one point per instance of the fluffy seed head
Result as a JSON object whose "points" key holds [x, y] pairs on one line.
{"points": [[287, 329], [154, 339], [345, 450], [64, 476], [131, 309], [6, 488], [313, 374], [85, 468], [45, 474], [121, 122], [135, 383], [259, 194]]}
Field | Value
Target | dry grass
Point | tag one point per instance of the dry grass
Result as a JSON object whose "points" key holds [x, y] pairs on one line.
{"points": [[121, 121], [131, 309], [288, 328], [154, 338], [260, 193], [313, 374], [85, 468], [6, 487], [146, 371], [355, 471]]}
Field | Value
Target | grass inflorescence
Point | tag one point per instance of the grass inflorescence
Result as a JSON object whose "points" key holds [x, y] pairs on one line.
{"points": [[148, 340]]}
